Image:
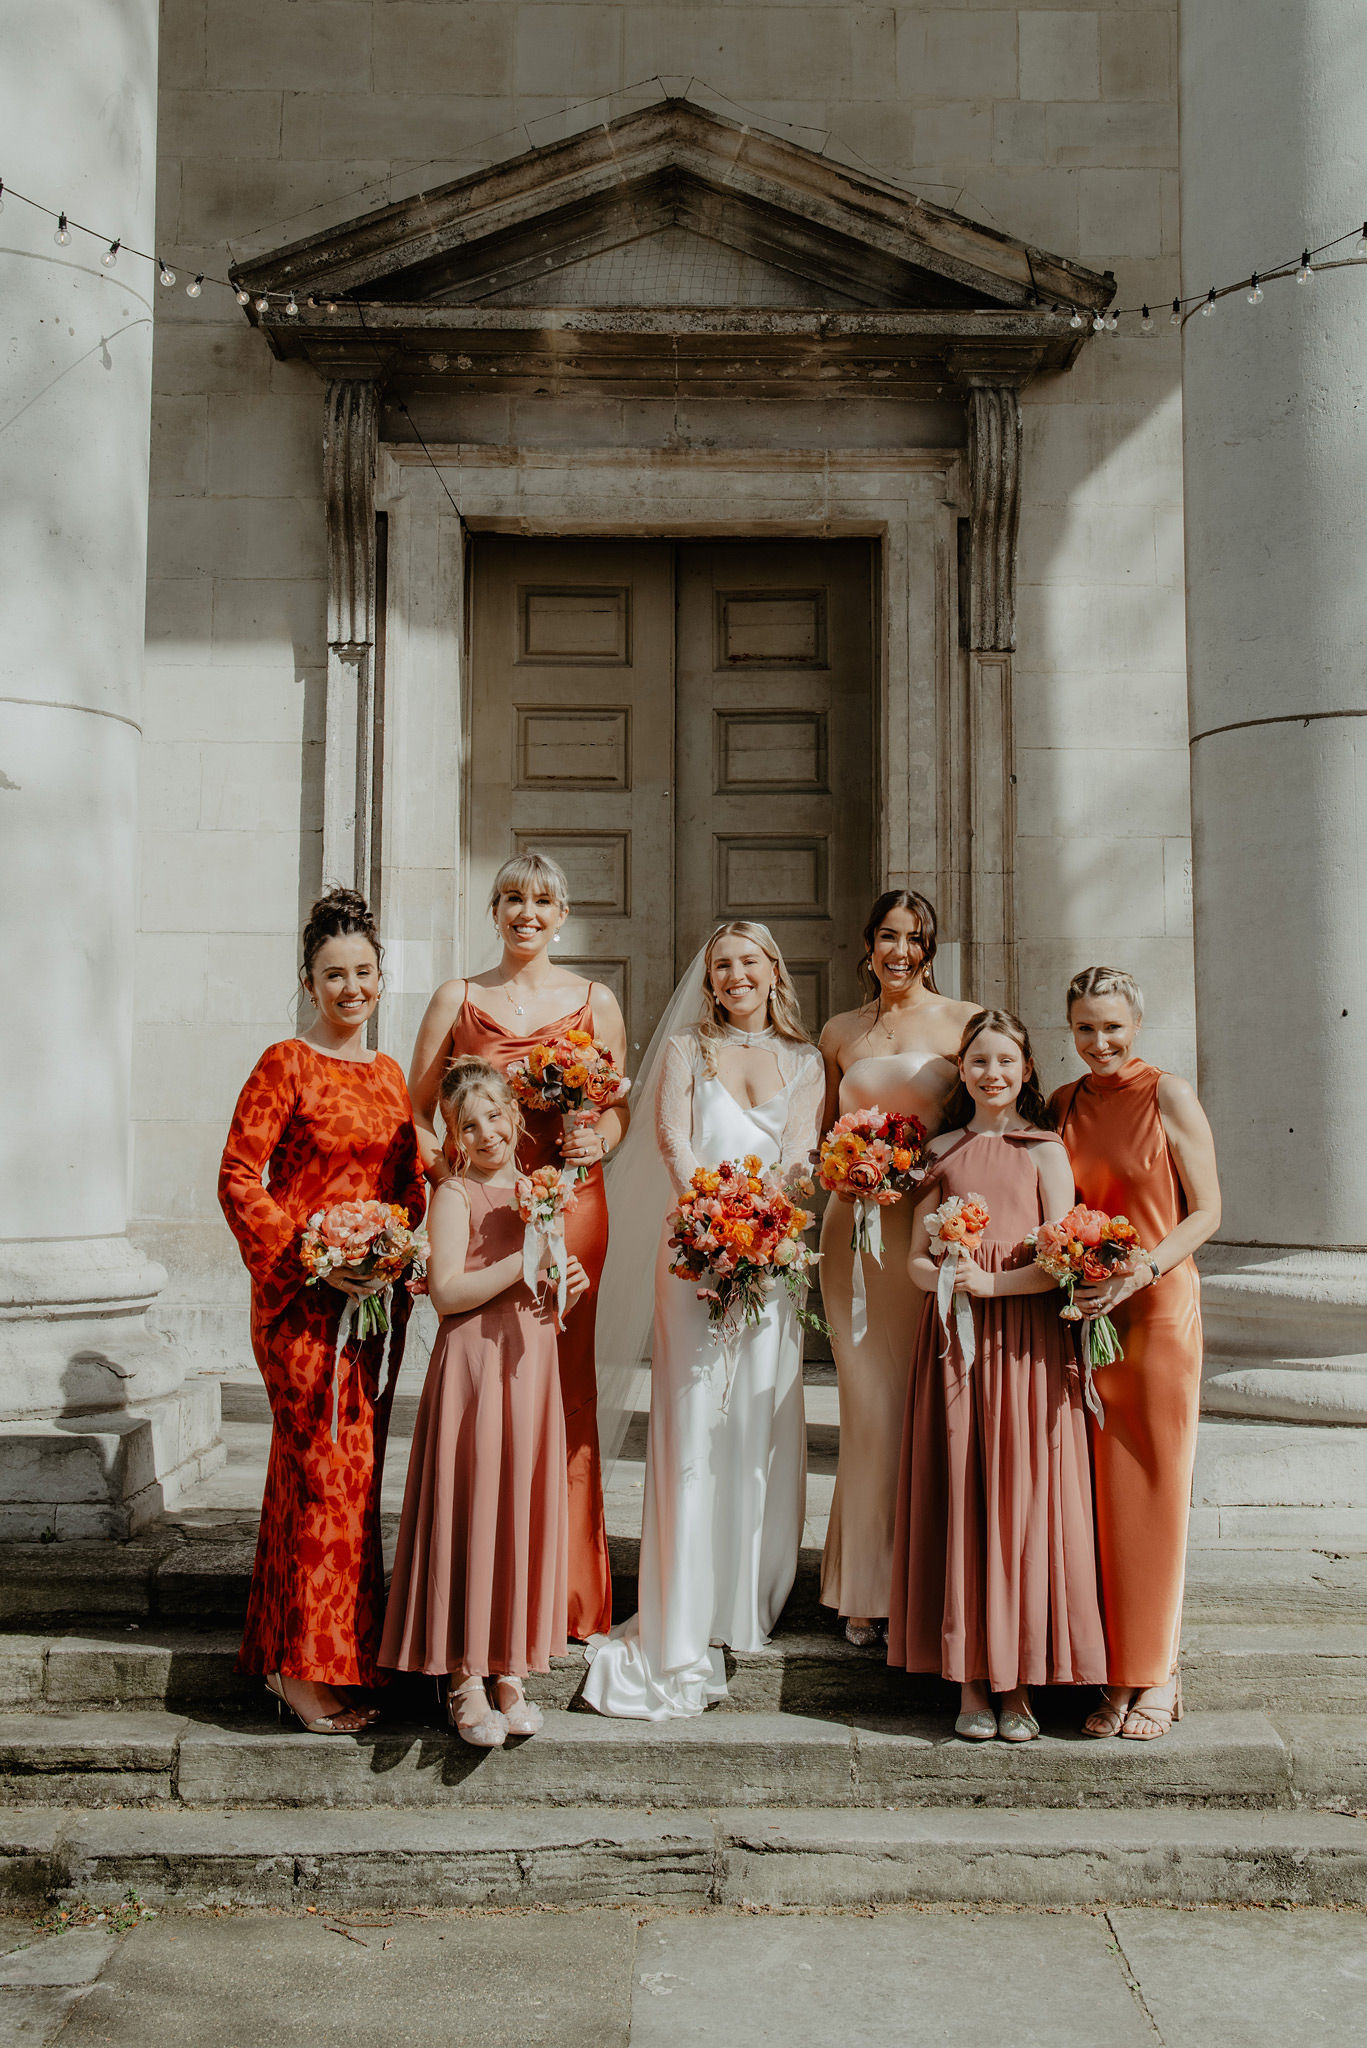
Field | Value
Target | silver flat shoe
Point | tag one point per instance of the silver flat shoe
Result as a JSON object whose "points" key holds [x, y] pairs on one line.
{"points": [[979, 1726], [1018, 1728]]}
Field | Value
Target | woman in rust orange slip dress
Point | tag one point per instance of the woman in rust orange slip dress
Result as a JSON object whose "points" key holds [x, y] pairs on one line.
{"points": [[1141, 1147], [499, 1016], [326, 1120]]}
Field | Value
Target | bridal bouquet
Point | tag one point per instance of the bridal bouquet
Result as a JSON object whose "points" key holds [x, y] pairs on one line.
{"points": [[569, 1074], [873, 1157], [737, 1231], [957, 1225], [366, 1241], [542, 1199], [1083, 1248]]}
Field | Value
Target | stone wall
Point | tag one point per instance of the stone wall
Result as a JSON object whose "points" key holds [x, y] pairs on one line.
{"points": [[1056, 123]]}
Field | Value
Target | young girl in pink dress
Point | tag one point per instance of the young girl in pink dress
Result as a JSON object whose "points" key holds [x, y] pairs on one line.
{"points": [[479, 1575], [994, 1562]]}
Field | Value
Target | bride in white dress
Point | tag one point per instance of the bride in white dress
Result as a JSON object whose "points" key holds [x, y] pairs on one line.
{"points": [[725, 1487]]}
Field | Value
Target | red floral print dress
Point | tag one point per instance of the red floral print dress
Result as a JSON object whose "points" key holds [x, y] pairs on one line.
{"points": [[321, 1130]]}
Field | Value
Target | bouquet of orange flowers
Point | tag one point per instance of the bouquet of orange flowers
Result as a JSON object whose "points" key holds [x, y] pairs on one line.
{"points": [[574, 1074], [873, 1158], [1083, 1248], [542, 1199], [734, 1234], [365, 1241], [957, 1225]]}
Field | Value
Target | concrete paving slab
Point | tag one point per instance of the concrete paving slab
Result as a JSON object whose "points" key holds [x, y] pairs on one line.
{"points": [[510, 1981], [1250, 1979], [1031, 1980], [32, 2019], [74, 1957]]}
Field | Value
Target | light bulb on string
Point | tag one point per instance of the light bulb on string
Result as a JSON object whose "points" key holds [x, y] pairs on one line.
{"points": [[1256, 296], [1209, 306], [1175, 317], [63, 234], [1305, 273], [1360, 246], [192, 291], [111, 254], [1098, 323], [243, 298], [1112, 321], [164, 272], [1077, 319], [263, 304], [1146, 321], [293, 307], [2, 195]]}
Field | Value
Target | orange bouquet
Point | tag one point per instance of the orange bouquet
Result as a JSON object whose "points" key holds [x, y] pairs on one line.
{"points": [[574, 1074], [735, 1233], [871, 1157], [542, 1198], [957, 1225], [1084, 1248], [366, 1241]]}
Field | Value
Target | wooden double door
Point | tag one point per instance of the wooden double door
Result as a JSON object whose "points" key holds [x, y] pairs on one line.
{"points": [[688, 729]]}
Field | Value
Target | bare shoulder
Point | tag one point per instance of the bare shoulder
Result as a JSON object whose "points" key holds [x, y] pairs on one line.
{"points": [[448, 996], [1178, 1103], [942, 1143], [840, 1031], [451, 1193], [949, 1010]]}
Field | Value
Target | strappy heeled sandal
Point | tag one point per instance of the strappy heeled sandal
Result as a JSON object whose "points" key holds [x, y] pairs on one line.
{"points": [[521, 1715], [347, 1721], [1160, 1719], [1109, 1718], [485, 1727]]}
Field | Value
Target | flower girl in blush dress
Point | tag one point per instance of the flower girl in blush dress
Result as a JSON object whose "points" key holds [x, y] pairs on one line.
{"points": [[726, 1470], [994, 1565], [479, 1575]]}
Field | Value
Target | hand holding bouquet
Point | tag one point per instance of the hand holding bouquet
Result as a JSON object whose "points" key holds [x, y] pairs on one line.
{"points": [[575, 1075], [737, 1231], [870, 1158], [366, 1241], [542, 1200], [957, 1225], [1084, 1248]]}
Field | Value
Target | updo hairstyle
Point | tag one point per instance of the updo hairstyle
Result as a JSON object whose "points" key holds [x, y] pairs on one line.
{"points": [[467, 1077], [533, 872], [923, 910], [1106, 981], [340, 914], [1030, 1102]]}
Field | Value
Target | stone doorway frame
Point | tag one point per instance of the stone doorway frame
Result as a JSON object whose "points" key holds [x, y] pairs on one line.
{"points": [[944, 781]]}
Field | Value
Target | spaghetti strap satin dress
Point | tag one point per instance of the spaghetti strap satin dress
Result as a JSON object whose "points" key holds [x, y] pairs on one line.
{"points": [[586, 1236], [1142, 1460], [994, 1561]]}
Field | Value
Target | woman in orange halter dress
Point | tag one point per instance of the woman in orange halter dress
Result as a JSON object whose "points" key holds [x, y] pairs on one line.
{"points": [[1141, 1147], [500, 1015]]}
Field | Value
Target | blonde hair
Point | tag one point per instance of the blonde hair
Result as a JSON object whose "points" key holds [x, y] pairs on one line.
{"points": [[784, 1013], [531, 870], [1106, 981], [465, 1078]]}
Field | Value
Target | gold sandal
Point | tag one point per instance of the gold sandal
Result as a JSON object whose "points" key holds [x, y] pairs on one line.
{"points": [[1110, 1716], [1160, 1719]]}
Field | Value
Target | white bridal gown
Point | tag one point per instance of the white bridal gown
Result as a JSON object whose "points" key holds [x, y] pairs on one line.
{"points": [[725, 1487]]}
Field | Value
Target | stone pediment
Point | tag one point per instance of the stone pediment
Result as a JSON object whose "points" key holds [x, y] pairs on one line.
{"points": [[669, 224]]}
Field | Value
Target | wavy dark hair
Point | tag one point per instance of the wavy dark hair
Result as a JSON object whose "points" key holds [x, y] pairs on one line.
{"points": [[923, 910], [1030, 1102], [340, 914]]}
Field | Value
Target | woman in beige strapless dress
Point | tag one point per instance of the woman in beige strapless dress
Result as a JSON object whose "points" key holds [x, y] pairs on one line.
{"points": [[895, 1052]]}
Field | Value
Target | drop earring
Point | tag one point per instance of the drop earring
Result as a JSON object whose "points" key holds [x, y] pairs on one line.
{"points": [[555, 941]]}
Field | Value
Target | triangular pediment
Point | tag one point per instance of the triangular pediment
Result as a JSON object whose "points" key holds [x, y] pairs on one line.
{"points": [[673, 206]]}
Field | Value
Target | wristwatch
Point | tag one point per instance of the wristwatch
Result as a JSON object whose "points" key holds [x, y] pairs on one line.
{"points": [[1154, 1267]]}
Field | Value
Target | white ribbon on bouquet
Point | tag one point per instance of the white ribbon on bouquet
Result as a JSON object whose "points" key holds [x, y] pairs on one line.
{"points": [[539, 1237], [346, 1321], [957, 1306], [866, 1236]]}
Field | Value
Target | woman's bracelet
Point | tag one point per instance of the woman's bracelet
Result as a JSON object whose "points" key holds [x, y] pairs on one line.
{"points": [[1154, 1268]]}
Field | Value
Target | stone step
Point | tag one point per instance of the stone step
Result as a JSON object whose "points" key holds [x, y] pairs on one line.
{"points": [[774, 1857], [580, 1759], [1318, 1667]]}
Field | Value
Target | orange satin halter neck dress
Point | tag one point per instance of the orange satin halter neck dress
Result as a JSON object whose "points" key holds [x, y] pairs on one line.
{"points": [[586, 1236], [1142, 1460]]}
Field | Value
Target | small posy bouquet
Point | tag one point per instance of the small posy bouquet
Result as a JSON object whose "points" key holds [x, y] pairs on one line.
{"points": [[737, 1231], [957, 1225], [873, 1157], [365, 1241], [542, 1199], [572, 1074], [1084, 1248]]}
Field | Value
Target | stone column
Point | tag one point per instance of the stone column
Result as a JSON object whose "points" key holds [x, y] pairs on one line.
{"points": [[1273, 105], [94, 1428], [351, 439]]}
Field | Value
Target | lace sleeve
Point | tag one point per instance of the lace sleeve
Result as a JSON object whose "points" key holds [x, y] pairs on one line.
{"points": [[803, 1128], [674, 1114]]}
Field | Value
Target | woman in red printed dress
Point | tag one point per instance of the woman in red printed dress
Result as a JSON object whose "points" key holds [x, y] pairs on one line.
{"points": [[324, 1120], [499, 1016]]}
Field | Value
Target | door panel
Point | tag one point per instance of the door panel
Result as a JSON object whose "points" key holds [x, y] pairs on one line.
{"points": [[774, 742], [572, 736]]}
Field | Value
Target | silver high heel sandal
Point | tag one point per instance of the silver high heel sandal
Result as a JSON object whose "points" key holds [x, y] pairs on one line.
{"points": [[346, 1721], [486, 1727], [522, 1717]]}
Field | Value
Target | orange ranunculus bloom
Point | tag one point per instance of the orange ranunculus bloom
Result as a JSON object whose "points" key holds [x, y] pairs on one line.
{"points": [[578, 1038]]}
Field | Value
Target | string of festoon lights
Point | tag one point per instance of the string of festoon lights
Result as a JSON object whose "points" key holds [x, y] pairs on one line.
{"points": [[1311, 261]]}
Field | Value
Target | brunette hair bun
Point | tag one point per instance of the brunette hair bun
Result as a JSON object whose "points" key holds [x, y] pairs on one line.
{"points": [[340, 914]]}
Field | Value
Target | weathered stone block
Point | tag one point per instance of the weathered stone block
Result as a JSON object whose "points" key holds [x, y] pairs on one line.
{"points": [[1060, 56]]}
